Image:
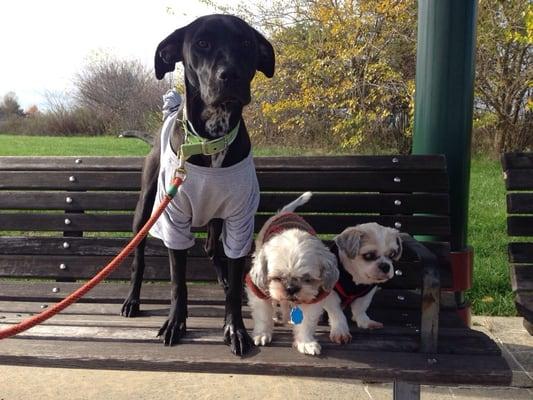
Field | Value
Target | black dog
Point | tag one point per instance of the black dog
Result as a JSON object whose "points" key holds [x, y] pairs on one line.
{"points": [[220, 55]]}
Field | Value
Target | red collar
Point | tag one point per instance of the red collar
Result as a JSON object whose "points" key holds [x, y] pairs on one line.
{"points": [[253, 287], [322, 294]]}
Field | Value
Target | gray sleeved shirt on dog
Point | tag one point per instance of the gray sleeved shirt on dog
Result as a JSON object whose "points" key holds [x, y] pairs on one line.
{"points": [[231, 194]]}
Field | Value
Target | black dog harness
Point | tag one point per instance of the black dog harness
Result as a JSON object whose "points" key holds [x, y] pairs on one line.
{"points": [[345, 287]]}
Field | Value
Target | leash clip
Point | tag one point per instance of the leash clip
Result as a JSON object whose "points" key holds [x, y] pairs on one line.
{"points": [[181, 173]]}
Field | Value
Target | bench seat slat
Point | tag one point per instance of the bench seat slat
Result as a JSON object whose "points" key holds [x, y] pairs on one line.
{"points": [[206, 316], [408, 162], [386, 203], [207, 330], [107, 315], [419, 225], [376, 366]]}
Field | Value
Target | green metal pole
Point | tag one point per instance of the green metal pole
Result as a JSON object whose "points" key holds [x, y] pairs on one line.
{"points": [[444, 97]]}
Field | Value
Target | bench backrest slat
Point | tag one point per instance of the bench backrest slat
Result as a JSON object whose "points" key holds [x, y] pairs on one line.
{"points": [[326, 224], [361, 163], [386, 181], [383, 203]]}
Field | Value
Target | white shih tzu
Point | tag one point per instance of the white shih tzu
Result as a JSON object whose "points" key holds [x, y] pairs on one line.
{"points": [[365, 255], [291, 266]]}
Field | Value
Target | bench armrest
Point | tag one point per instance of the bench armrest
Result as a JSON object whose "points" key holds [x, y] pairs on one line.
{"points": [[429, 325]]}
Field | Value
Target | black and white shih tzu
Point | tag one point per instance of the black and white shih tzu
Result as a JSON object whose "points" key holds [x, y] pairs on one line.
{"points": [[293, 268], [365, 255]]}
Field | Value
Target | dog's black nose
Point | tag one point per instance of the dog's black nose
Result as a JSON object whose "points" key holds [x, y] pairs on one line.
{"points": [[227, 74], [292, 289], [384, 267]]}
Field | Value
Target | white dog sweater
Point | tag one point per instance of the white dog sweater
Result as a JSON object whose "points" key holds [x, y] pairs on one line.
{"points": [[231, 194]]}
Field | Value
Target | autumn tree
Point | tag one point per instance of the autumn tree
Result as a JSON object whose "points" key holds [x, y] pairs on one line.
{"points": [[122, 93], [504, 74], [10, 107], [344, 72]]}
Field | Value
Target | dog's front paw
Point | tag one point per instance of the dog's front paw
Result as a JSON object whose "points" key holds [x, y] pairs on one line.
{"points": [[130, 307], [238, 339], [367, 323], [311, 348], [262, 338], [172, 331], [340, 335]]}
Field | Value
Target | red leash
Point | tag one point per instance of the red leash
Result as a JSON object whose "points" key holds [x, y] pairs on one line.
{"points": [[80, 292]]}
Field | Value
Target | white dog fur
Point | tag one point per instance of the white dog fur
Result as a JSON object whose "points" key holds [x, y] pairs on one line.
{"points": [[293, 266], [362, 250]]}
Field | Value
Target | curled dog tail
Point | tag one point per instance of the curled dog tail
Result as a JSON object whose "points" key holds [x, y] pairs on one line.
{"points": [[300, 201]]}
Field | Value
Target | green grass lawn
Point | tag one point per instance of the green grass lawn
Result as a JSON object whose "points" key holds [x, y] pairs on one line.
{"points": [[491, 294], [16, 145], [487, 234]]}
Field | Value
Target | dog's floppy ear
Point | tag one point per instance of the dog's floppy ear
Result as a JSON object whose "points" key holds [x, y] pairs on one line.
{"points": [[349, 241], [329, 270], [259, 271], [400, 246], [169, 52], [266, 59]]}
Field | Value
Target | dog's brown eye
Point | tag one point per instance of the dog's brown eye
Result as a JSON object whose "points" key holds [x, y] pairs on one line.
{"points": [[369, 256], [203, 44]]}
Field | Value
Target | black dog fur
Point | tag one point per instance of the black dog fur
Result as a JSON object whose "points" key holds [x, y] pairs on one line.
{"points": [[220, 55]]}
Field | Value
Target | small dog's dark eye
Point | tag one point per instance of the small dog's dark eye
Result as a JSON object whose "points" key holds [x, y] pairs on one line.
{"points": [[369, 256], [203, 44]]}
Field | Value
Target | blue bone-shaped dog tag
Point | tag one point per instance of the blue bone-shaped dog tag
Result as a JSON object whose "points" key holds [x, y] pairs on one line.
{"points": [[297, 315]]}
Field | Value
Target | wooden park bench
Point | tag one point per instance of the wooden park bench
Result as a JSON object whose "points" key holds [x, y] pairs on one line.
{"points": [[62, 218], [518, 174]]}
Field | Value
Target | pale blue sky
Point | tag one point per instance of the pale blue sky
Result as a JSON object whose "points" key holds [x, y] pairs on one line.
{"points": [[44, 43]]}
